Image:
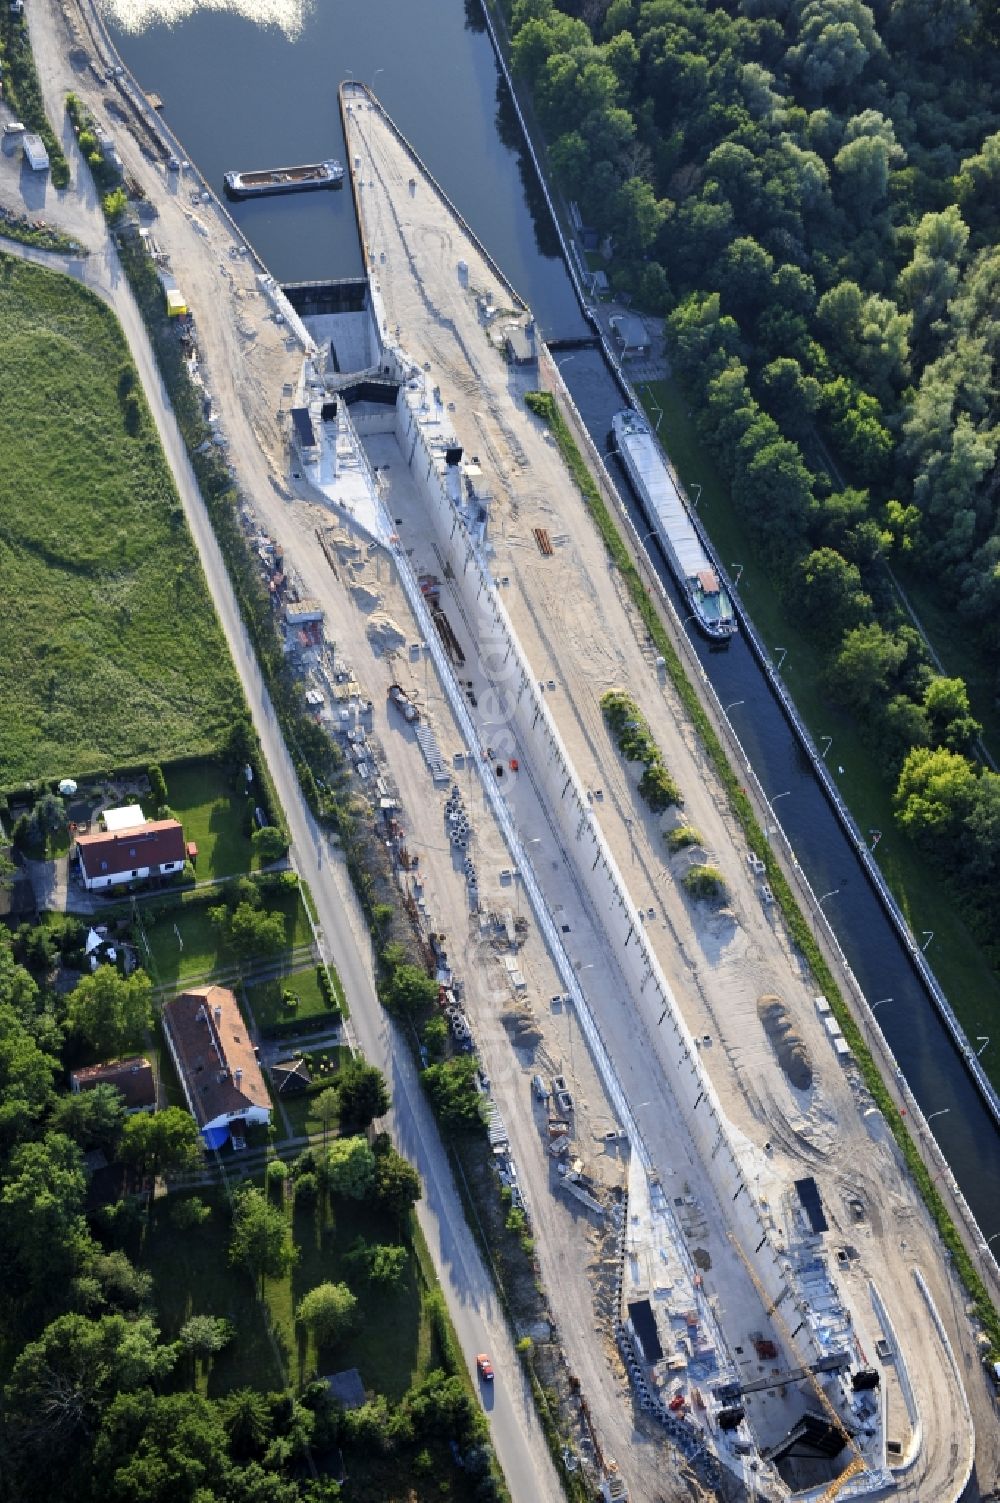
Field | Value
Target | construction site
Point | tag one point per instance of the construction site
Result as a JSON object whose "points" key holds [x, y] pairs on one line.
{"points": [[778, 1287], [662, 1080]]}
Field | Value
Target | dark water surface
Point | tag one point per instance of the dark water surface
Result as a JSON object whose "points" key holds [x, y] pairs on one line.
{"points": [[241, 96]]}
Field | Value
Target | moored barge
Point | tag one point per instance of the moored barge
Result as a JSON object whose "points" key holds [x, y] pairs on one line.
{"points": [[284, 179]]}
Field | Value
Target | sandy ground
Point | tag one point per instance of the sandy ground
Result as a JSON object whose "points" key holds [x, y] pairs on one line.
{"points": [[579, 633]]}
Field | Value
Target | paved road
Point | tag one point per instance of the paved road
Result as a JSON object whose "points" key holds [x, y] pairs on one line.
{"points": [[468, 1287]]}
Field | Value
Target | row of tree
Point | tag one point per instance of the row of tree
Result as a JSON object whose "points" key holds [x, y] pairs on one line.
{"points": [[809, 193]]}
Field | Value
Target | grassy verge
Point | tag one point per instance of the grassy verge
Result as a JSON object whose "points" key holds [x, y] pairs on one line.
{"points": [[114, 653], [22, 91], [543, 405], [968, 979]]}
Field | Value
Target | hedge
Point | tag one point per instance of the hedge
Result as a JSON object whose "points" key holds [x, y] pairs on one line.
{"points": [[544, 406]]}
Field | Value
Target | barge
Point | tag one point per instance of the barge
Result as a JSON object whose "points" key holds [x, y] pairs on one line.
{"points": [[667, 513], [284, 179]]}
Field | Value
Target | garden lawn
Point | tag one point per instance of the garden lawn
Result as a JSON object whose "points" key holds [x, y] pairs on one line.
{"points": [[193, 1276], [267, 1006], [392, 1341], [970, 983], [200, 950], [212, 810], [113, 654]]}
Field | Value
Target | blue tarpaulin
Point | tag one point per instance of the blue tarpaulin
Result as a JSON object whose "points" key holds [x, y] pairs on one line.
{"points": [[215, 1137]]}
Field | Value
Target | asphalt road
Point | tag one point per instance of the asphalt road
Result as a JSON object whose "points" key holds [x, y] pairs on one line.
{"points": [[468, 1287]]}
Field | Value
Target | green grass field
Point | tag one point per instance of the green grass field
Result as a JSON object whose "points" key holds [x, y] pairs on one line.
{"points": [[391, 1345], [265, 997], [112, 651], [184, 942], [966, 976], [212, 811]]}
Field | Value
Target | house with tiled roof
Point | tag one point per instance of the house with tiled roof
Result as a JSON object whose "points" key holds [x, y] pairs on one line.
{"points": [[133, 1077], [216, 1062], [130, 853]]}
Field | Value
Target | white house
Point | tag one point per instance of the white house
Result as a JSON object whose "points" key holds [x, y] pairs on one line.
{"points": [[154, 848], [215, 1061]]}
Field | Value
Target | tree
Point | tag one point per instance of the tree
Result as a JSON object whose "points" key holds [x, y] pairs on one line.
{"points": [[246, 1415], [868, 657], [111, 1279], [62, 1382], [92, 1118], [946, 702], [111, 1011], [934, 795], [410, 991], [349, 1168], [387, 1265], [397, 1183], [26, 1074], [261, 1240], [157, 782], [832, 598], [326, 1108], [435, 1036], [166, 1142], [204, 1335], [250, 930], [328, 1312], [451, 1087], [43, 1235], [162, 1448], [362, 1095], [50, 816], [269, 844]]}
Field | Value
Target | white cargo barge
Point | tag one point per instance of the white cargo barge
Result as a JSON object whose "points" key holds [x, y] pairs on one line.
{"points": [[669, 517], [284, 179]]}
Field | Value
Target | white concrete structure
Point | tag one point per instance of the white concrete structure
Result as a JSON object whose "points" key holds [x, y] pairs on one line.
{"points": [[127, 817]]}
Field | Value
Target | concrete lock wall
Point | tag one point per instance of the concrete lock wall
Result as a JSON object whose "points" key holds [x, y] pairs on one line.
{"points": [[520, 705]]}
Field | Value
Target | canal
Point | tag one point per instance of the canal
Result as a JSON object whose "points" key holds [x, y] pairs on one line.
{"points": [[242, 94]]}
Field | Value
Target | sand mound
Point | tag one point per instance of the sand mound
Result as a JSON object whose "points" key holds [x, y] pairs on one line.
{"points": [[384, 634], [793, 1056], [365, 599]]}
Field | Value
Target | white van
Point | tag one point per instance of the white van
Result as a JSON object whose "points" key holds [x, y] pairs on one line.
{"points": [[14, 128]]}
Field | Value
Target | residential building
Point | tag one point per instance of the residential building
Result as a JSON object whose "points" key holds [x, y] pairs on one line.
{"points": [[152, 849], [133, 1077], [216, 1063]]}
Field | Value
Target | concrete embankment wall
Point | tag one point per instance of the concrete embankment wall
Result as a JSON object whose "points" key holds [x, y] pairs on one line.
{"points": [[522, 705]]}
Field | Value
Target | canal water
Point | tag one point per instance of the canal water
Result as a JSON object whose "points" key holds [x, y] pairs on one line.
{"points": [[243, 95]]}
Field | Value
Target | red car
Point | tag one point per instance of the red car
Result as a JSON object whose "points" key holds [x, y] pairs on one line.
{"points": [[485, 1367]]}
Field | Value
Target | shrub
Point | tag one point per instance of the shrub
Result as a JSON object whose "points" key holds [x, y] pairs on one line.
{"points": [[704, 882], [681, 837], [189, 1212], [658, 788], [306, 1189]]}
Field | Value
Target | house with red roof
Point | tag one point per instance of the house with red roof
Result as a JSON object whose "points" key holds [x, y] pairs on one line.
{"points": [[154, 848]]}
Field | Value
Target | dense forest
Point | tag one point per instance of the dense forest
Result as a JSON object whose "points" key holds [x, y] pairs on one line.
{"points": [[810, 193]]}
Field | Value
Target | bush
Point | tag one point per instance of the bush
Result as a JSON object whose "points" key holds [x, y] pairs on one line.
{"points": [[704, 882], [681, 837], [658, 788], [189, 1212], [636, 744], [306, 1189]]}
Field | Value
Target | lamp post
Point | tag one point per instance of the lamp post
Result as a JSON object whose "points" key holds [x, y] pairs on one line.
{"points": [[942, 1113], [739, 575], [829, 743], [374, 76], [831, 894], [881, 1001], [697, 498], [564, 361], [783, 653], [726, 709], [928, 936], [982, 1039]]}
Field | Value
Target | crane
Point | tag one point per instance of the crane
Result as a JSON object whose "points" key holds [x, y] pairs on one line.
{"points": [[858, 1463], [856, 1466]]}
